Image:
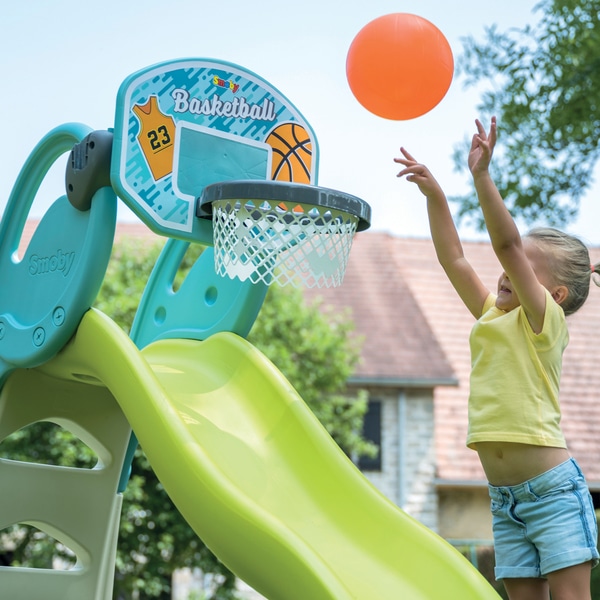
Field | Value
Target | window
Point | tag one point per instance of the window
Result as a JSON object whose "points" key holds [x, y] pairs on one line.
{"points": [[372, 432]]}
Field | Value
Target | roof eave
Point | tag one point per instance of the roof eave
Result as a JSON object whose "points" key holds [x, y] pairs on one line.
{"points": [[402, 382]]}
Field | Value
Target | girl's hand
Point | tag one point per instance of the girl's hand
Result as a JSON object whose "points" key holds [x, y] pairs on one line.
{"points": [[418, 173], [482, 148]]}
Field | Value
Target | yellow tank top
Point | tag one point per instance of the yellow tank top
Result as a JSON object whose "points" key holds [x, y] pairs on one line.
{"points": [[515, 377]]}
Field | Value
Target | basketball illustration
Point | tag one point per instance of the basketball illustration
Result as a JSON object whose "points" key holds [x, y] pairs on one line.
{"points": [[292, 153]]}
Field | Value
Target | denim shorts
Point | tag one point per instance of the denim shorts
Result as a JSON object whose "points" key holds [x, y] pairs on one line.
{"points": [[544, 524]]}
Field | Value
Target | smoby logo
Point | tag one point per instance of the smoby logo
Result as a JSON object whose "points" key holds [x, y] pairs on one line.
{"points": [[226, 83], [61, 262]]}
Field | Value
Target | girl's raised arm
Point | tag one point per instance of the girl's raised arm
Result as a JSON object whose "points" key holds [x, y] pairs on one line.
{"points": [[446, 241], [504, 235]]}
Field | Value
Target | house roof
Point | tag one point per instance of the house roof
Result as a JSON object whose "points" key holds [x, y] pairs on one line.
{"points": [[399, 346], [392, 282]]}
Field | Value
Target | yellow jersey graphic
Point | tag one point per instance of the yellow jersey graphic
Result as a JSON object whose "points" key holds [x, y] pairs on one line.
{"points": [[156, 137]]}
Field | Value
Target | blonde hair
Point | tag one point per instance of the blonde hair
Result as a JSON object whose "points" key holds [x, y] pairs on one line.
{"points": [[569, 261]]}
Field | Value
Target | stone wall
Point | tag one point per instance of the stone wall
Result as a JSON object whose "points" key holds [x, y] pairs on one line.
{"points": [[464, 513], [407, 475]]}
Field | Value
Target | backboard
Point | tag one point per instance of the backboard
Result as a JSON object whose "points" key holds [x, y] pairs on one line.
{"points": [[184, 124]]}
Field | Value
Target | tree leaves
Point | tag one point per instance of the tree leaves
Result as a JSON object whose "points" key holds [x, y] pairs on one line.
{"points": [[543, 84]]}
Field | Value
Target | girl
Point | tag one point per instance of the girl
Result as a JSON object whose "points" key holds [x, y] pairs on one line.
{"points": [[544, 524]]}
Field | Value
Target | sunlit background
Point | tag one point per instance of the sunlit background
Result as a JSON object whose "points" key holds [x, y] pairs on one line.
{"points": [[64, 60]]}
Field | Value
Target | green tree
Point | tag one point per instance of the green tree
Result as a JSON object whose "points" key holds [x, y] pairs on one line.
{"points": [[313, 347], [542, 81]]}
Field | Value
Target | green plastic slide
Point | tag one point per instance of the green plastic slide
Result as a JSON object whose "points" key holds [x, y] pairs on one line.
{"points": [[257, 476]]}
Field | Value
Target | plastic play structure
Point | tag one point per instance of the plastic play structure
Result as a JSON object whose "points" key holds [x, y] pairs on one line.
{"points": [[203, 152]]}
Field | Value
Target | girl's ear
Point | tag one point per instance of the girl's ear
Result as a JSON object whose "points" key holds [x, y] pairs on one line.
{"points": [[560, 294]]}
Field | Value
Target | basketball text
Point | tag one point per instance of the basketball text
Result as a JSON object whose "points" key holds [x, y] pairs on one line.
{"points": [[215, 107]]}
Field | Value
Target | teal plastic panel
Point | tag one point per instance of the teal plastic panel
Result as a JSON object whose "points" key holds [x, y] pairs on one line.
{"points": [[46, 292], [205, 304]]}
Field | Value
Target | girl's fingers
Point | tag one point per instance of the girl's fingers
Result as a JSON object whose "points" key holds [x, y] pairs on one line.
{"points": [[414, 171], [493, 131], [408, 160], [480, 130], [407, 154], [412, 167]]}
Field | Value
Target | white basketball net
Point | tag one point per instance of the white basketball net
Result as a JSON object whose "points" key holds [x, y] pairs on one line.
{"points": [[268, 241]]}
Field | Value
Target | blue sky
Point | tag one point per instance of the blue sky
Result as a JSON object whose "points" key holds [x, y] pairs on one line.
{"points": [[63, 60]]}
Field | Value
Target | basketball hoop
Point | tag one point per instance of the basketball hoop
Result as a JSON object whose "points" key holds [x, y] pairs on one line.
{"points": [[289, 233]]}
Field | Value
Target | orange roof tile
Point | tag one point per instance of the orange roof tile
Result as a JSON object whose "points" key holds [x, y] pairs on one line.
{"points": [[398, 342]]}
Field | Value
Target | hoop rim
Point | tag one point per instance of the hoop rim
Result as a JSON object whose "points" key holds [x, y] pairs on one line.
{"points": [[283, 191]]}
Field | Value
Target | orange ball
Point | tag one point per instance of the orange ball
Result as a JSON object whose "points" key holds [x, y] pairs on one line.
{"points": [[399, 66]]}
